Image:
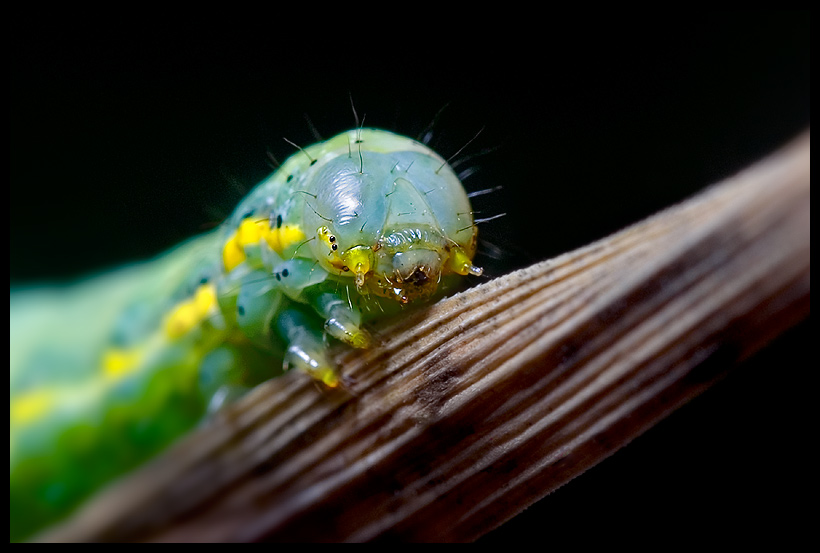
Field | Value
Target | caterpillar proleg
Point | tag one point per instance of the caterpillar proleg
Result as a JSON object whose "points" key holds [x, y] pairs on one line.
{"points": [[345, 231]]}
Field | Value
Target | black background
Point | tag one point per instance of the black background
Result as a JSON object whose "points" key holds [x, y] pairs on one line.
{"points": [[127, 138]]}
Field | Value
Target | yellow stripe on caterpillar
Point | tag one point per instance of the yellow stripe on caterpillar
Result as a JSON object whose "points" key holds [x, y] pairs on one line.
{"points": [[249, 233], [118, 363], [232, 253], [31, 406], [282, 238], [205, 298], [191, 312]]}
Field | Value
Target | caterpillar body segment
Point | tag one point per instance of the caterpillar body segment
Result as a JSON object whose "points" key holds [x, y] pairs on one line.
{"points": [[344, 232]]}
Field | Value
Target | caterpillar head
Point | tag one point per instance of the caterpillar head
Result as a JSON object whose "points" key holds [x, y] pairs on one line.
{"points": [[390, 214], [404, 264]]}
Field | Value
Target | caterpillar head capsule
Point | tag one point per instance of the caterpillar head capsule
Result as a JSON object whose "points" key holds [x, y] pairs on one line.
{"points": [[391, 214]]}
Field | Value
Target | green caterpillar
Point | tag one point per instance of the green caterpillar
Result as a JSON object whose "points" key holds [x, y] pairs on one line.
{"points": [[342, 233]]}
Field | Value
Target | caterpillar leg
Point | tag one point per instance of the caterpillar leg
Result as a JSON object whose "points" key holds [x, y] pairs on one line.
{"points": [[342, 320], [305, 347], [305, 281]]}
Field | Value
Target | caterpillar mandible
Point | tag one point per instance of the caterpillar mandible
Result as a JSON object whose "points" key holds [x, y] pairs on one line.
{"points": [[344, 232]]}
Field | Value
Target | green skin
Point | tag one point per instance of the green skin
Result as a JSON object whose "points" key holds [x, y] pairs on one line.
{"points": [[372, 191]]}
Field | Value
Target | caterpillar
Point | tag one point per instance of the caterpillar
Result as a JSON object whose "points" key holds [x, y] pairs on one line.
{"points": [[345, 232]]}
